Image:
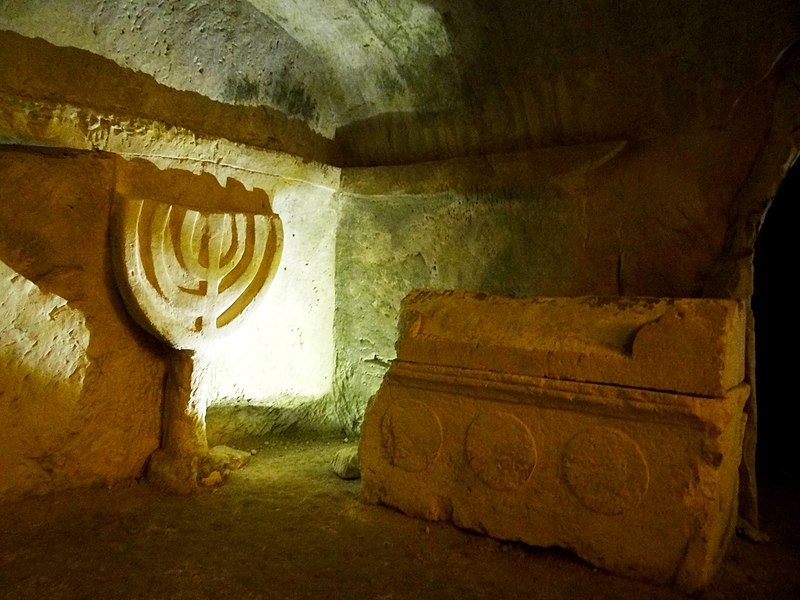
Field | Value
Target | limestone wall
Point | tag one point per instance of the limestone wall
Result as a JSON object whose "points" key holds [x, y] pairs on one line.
{"points": [[273, 374], [643, 218], [80, 383], [660, 165], [399, 81]]}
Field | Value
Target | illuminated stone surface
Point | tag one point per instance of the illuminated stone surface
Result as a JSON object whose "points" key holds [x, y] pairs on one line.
{"points": [[608, 426], [54, 235], [290, 329], [401, 81], [189, 265], [462, 109], [191, 260], [43, 366], [667, 344], [80, 384]]}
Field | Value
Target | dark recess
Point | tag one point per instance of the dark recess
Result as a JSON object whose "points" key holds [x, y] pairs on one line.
{"points": [[774, 305]]}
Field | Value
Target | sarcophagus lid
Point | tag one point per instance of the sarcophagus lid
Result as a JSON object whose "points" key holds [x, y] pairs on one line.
{"points": [[687, 346]]}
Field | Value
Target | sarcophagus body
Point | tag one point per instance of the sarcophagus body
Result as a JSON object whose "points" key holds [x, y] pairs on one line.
{"points": [[608, 426]]}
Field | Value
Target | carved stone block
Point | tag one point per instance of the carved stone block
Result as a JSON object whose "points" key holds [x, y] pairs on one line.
{"points": [[611, 427]]}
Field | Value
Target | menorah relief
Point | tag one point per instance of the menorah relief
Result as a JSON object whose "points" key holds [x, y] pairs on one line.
{"points": [[195, 272], [192, 259]]}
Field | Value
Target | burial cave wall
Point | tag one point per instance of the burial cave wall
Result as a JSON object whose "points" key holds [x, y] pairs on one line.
{"points": [[82, 383], [272, 375], [671, 215], [659, 164], [401, 81], [629, 218]]}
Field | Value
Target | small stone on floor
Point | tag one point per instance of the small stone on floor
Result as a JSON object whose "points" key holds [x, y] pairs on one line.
{"points": [[225, 457], [214, 478], [345, 463]]}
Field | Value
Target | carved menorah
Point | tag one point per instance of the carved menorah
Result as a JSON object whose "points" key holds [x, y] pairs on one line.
{"points": [[191, 259], [198, 272]]}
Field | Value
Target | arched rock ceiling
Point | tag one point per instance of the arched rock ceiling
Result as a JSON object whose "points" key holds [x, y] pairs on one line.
{"points": [[461, 76], [328, 62]]}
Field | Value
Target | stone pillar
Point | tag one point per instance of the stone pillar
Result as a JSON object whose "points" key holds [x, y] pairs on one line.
{"points": [[184, 408]]}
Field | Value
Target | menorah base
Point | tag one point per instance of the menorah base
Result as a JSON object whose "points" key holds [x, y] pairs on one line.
{"points": [[177, 474], [188, 473]]}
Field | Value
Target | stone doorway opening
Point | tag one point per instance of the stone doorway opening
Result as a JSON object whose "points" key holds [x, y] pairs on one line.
{"points": [[773, 300]]}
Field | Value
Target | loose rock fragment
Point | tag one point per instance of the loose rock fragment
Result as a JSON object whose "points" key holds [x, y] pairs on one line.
{"points": [[225, 457], [214, 478], [345, 463]]}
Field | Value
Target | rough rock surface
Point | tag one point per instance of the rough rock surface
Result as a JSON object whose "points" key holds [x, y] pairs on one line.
{"points": [[398, 81], [677, 345], [222, 458], [638, 477], [212, 479], [569, 221], [287, 505], [81, 384], [192, 260], [292, 330], [93, 409]]}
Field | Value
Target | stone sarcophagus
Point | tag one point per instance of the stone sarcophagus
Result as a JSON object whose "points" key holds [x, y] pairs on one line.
{"points": [[608, 426]]}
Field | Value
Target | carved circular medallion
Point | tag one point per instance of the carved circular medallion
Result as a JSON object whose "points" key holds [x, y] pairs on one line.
{"points": [[606, 470], [412, 435], [500, 450]]}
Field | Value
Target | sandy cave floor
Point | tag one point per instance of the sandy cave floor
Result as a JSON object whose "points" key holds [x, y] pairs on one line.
{"points": [[286, 527]]}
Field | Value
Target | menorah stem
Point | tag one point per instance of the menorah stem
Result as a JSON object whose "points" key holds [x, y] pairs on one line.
{"points": [[176, 464], [184, 424]]}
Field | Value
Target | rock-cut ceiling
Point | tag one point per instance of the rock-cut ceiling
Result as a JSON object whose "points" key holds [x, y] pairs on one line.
{"points": [[511, 72]]}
